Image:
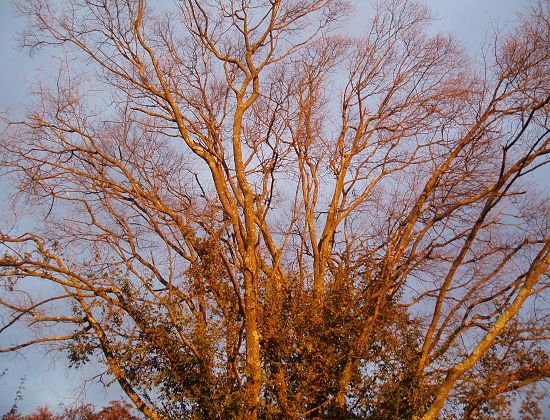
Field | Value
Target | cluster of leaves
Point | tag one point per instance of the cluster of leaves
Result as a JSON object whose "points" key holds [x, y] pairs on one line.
{"points": [[115, 410]]}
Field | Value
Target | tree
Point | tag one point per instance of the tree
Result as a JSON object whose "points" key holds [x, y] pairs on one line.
{"points": [[115, 410], [243, 212]]}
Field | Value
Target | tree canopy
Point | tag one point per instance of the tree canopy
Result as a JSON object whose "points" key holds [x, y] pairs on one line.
{"points": [[115, 410], [241, 211]]}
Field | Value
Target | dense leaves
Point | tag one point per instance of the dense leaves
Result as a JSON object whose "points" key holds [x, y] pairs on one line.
{"points": [[115, 410]]}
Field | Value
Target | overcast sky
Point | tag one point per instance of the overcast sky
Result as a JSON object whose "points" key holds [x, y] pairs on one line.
{"points": [[49, 383]]}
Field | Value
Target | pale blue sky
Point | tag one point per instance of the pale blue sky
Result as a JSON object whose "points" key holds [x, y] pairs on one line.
{"points": [[50, 383]]}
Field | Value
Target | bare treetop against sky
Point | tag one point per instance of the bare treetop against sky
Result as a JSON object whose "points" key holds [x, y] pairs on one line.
{"points": [[279, 209]]}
